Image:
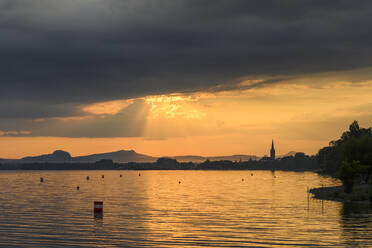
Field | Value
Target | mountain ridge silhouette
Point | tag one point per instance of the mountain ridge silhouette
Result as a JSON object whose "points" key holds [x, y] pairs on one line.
{"points": [[124, 156]]}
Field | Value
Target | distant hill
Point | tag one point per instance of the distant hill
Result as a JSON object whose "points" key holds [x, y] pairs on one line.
{"points": [[7, 161], [59, 156], [56, 157], [234, 158], [125, 156], [197, 159], [121, 156]]}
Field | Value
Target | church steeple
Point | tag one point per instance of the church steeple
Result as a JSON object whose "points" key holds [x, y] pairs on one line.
{"points": [[272, 151]]}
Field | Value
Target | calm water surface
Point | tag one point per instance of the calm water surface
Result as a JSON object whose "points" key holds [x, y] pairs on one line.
{"points": [[208, 208]]}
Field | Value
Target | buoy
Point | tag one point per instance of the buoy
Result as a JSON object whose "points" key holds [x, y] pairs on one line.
{"points": [[77, 187], [87, 177], [103, 176], [41, 179], [98, 206], [121, 175]]}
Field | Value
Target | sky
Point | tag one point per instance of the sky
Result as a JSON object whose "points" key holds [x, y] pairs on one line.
{"points": [[177, 77]]}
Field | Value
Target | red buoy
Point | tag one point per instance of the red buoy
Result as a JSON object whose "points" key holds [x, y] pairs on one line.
{"points": [[98, 206]]}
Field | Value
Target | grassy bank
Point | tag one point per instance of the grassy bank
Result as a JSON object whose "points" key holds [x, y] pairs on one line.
{"points": [[361, 193]]}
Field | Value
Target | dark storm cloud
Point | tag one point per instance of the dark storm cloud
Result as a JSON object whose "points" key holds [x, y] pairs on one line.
{"points": [[240, 84], [74, 52], [16, 109], [129, 122]]}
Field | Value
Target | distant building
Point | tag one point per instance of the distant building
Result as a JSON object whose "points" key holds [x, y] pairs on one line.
{"points": [[272, 151]]}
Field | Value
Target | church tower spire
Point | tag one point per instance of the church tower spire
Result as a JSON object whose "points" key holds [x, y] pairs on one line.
{"points": [[272, 150]]}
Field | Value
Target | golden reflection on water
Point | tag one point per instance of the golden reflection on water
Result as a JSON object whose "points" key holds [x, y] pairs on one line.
{"points": [[264, 209], [175, 209]]}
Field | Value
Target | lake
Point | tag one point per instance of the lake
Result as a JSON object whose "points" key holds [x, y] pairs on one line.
{"points": [[176, 209]]}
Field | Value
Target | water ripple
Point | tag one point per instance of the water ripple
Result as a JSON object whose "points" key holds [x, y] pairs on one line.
{"points": [[209, 209]]}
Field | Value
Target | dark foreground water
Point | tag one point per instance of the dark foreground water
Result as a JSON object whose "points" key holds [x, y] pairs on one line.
{"points": [[208, 208]]}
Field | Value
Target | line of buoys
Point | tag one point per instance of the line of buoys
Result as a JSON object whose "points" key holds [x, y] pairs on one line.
{"points": [[97, 205]]}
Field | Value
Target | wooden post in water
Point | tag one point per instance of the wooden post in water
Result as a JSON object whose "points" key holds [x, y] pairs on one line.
{"points": [[308, 198]]}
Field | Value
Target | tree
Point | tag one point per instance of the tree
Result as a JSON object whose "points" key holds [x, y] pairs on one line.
{"points": [[348, 172], [354, 129], [360, 150], [167, 163], [354, 144]]}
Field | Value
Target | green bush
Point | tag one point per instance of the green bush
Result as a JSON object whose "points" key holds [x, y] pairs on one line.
{"points": [[348, 171]]}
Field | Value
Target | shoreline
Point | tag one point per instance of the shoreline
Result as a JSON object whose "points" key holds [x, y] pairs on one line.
{"points": [[157, 169], [362, 193]]}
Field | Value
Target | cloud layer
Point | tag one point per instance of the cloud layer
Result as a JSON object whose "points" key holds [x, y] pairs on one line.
{"points": [[57, 56], [86, 51]]}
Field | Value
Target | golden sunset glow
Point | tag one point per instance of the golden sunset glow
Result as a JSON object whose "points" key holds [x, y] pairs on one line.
{"points": [[231, 121], [110, 107], [185, 123], [173, 106]]}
